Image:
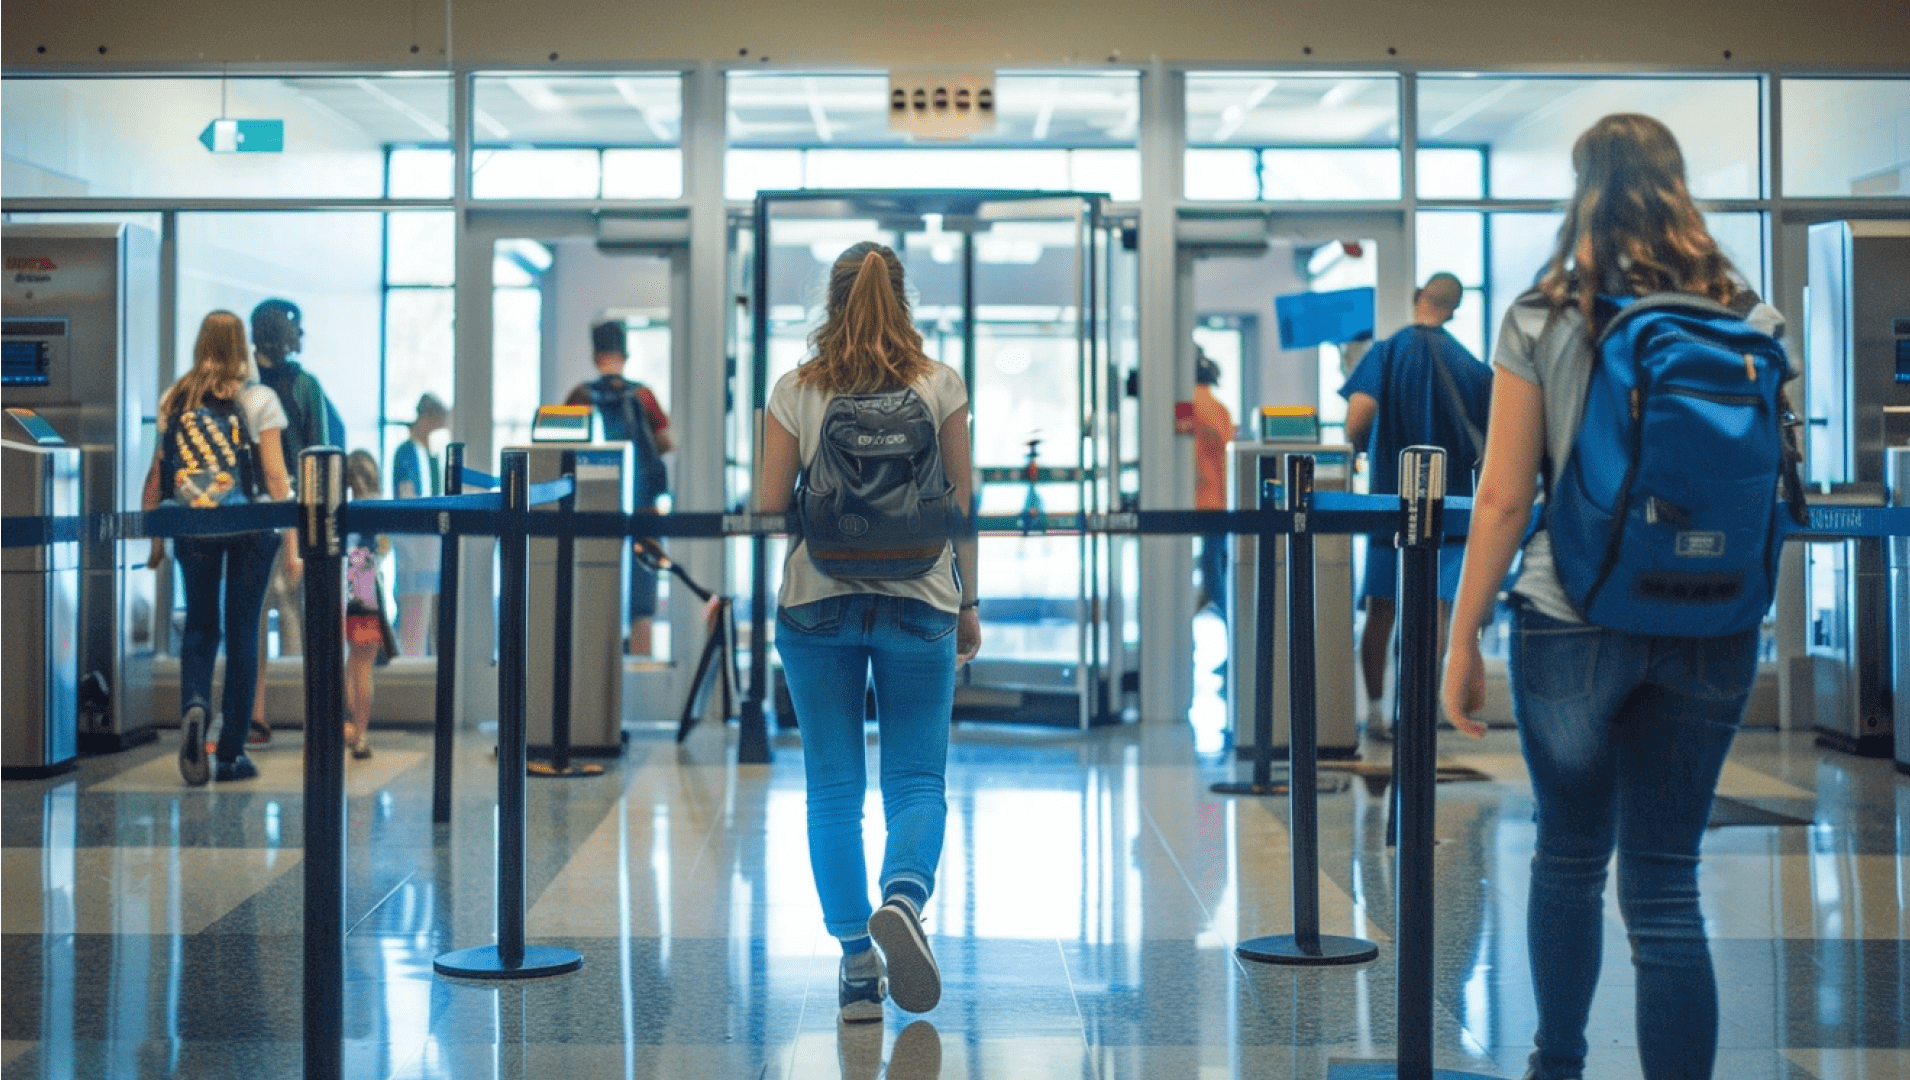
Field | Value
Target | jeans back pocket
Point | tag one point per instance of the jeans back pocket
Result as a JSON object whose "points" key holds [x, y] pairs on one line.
{"points": [[817, 617]]}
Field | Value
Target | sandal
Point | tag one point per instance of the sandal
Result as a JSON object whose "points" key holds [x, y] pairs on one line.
{"points": [[260, 734], [361, 746]]}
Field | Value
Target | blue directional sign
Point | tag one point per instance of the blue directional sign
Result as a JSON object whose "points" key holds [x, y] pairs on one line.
{"points": [[1309, 319], [244, 136]]}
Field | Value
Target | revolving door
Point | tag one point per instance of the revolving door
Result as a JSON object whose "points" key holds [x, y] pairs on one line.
{"points": [[1020, 292]]}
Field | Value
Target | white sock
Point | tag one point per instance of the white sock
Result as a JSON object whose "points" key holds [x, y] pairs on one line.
{"points": [[1375, 716]]}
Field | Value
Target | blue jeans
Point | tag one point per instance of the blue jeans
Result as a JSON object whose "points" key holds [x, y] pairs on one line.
{"points": [[828, 649], [243, 564], [1624, 736]]}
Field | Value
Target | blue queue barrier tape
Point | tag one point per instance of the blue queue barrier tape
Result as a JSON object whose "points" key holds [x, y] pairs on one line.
{"points": [[321, 490], [472, 478], [443, 720]]}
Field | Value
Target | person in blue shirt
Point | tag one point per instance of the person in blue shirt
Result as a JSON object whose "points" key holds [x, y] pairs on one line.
{"points": [[1419, 387], [415, 475]]}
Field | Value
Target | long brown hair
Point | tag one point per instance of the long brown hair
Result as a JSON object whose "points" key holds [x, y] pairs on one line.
{"points": [[1632, 219], [218, 365], [867, 343]]}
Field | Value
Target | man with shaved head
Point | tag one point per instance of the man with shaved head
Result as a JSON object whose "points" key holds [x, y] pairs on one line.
{"points": [[1419, 387]]}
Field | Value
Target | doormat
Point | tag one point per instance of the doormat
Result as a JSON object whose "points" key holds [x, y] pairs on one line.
{"points": [[1726, 811]]}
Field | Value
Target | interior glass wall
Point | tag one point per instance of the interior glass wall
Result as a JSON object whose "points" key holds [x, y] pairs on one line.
{"points": [[141, 137], [1286, 137], [1847, 137], [1075, 132], [577, 136]]}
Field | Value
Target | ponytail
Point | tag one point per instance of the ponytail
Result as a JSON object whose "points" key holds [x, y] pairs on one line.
{"points": [[868, 342]]}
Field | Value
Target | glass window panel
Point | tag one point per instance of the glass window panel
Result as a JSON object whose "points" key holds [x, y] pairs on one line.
{"points": [[746, 172], [577, 110], [139, 137], [1528, 125], [1275, 109], [643, 174], [1116, 172], [1329, 174], [517, 335], [1452, 242], [419, 174], [330, 264], [534, 174], [419, 248], [1519, 244], [1741, 237], [1468, 323], [418, 349], [1847, 137], [1026, 169], [1222, 175], [1452, 173], [771, 110]]}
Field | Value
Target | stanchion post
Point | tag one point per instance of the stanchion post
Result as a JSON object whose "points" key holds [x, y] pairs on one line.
{"points": [[1422, 505], [321, 490], [1266, 596], [510, 958], [1305, 946], [444, 726]]}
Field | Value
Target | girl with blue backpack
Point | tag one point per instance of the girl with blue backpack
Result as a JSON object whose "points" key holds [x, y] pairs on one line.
{"points": [[1641, 379], [870, 411]]}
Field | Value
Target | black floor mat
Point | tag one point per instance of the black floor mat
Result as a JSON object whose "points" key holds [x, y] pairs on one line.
{"points": [[1738, 812]]}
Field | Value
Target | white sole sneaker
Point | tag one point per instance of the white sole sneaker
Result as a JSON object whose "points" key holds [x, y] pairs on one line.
{"points": [[915, 983]]}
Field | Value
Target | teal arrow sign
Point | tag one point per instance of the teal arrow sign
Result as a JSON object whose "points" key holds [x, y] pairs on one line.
{"points": [[244, 136]]}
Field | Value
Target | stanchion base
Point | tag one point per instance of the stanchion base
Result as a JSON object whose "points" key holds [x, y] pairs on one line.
{"points": [[1389, 1070], [575, 768], [484, 962], [1285, 949], [1248, 787]]}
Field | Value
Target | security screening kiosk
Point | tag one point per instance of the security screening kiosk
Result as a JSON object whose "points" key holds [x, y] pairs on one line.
{"points": [[1857, 352], [1249, 464], [41, 478], [599, 586], [81, 339]]}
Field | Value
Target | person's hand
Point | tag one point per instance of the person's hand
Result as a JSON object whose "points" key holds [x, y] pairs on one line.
{"points": [[157, 555], [1464, 689], [968, 635]]}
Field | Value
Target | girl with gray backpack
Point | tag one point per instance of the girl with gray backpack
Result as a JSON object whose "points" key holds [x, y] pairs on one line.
{"points": [[1641, 380], [868, 439]]}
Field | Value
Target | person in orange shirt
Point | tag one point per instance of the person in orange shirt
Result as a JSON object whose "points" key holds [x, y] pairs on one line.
{"points": [[1213, 429]]}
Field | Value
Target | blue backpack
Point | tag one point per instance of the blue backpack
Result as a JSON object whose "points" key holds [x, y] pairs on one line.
{"points": [[1667, 518]]}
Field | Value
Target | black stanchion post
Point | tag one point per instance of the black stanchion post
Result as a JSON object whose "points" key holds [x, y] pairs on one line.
{"points": [[1422, 503], [1306, 945], [1266, 595], [321, 490], [510, 958], [444, 727], [752, 736], [564, 623]]}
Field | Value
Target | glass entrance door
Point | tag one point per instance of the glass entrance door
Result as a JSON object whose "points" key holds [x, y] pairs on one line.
{"points": [[1011, 289]]}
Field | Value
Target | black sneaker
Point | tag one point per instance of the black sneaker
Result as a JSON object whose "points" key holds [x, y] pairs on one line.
{"points": [[192, 746], [914, 980], [861, 987], [239, 768]]}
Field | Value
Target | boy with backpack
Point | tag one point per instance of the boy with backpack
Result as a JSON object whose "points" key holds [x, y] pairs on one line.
{"points": [[631, 414]]}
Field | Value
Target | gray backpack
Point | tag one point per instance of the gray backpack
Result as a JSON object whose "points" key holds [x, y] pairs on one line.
{"points": [[874, 502]]}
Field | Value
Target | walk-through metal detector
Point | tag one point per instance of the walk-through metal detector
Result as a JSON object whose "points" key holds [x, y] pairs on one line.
{"points": [[1012, 289]]}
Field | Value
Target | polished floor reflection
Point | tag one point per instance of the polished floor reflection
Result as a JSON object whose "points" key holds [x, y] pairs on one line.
{"points": [[1092, 890]]}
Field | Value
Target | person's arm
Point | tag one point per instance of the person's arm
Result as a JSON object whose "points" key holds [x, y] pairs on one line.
{"points": [[278, 484], [957, 458], [149, 501], [776, 475], [1515, 443], [659, 421], [1361, 408]]}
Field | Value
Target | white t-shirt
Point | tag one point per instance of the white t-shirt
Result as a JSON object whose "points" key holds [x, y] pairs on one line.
{"points": [[259, 408], [798, 406]]}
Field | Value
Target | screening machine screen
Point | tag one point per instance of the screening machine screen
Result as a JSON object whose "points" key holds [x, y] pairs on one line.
{"points": [[25, 363]]}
